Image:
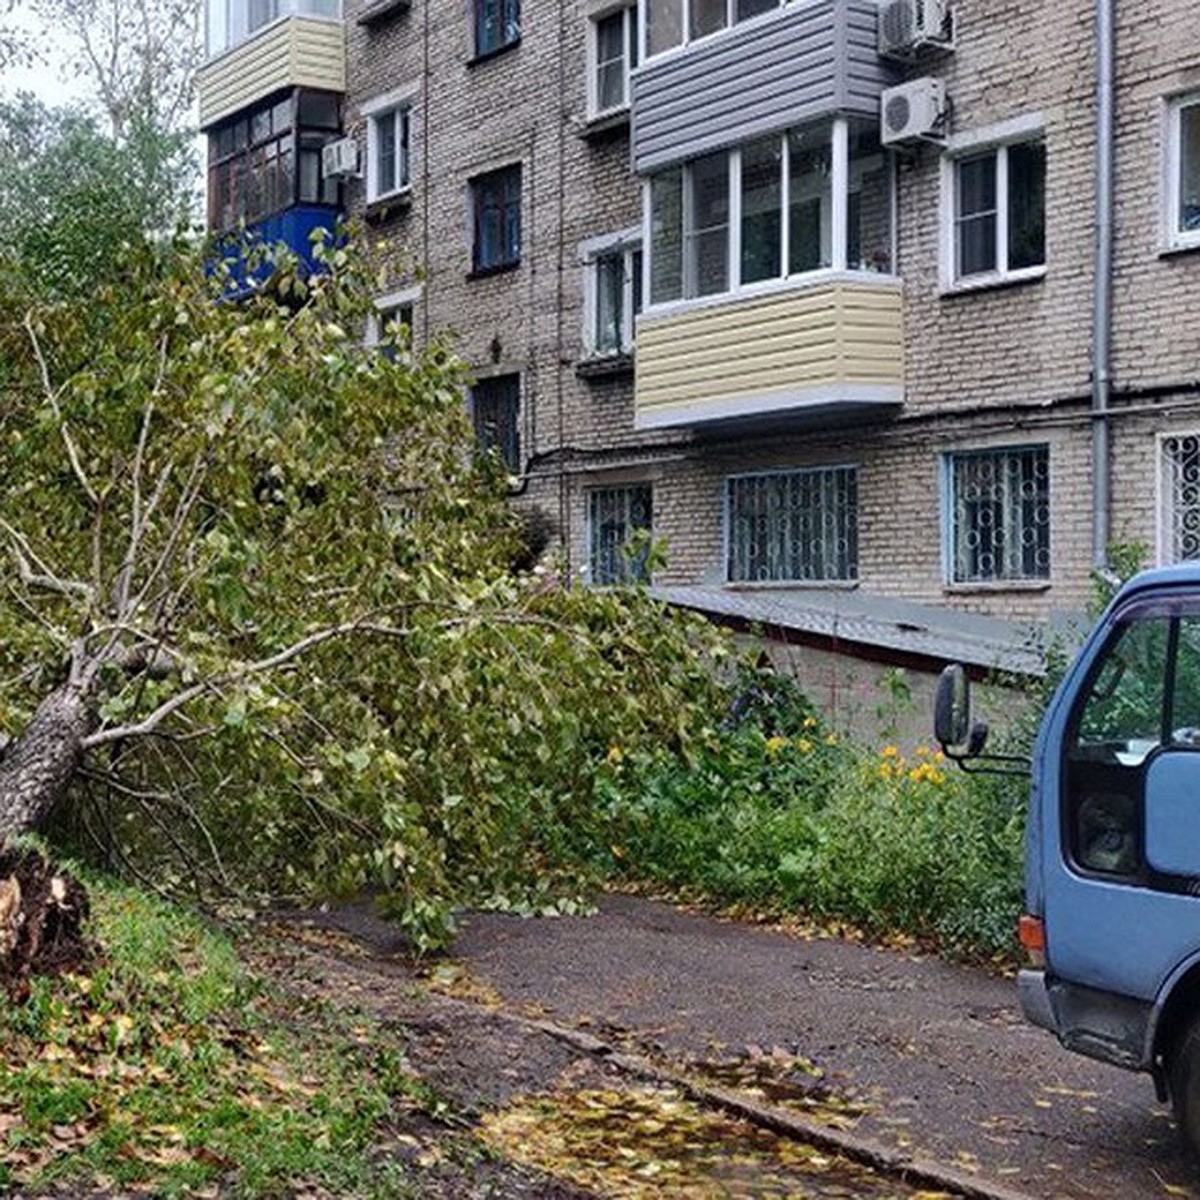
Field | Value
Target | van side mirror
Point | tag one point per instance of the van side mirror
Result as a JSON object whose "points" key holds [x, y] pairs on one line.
{"points": [[952, 707]]}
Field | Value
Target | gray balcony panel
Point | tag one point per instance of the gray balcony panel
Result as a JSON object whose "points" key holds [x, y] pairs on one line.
{"points": [[812, 58]]}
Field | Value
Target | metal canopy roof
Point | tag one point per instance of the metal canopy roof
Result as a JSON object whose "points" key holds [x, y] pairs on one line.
{"points": [[866, 625]]}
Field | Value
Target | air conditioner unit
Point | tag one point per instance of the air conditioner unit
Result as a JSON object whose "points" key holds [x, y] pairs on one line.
{"points": [[906, 26], [340, 158], [913, 112]]}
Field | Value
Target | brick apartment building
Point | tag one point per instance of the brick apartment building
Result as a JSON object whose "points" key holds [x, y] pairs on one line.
{"points": [[810, 290]]}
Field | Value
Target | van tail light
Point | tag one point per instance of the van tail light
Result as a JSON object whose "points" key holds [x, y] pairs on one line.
{"points": [[1032, 934]]}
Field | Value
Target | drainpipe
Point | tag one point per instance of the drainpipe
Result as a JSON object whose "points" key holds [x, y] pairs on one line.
{"points": [[1102, 297]]}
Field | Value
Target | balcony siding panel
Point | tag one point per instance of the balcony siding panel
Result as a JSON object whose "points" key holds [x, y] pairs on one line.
{"points": [[844, 334], [812, 58], [295, 52]]}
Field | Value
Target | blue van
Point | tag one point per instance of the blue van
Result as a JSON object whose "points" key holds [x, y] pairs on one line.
{"points": [[1112, 872]]}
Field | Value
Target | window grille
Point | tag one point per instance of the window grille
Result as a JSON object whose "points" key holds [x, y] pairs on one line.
{"points": [[1000, 515], [495, 411], [614, 516], [1180, 464], [793, 525]]}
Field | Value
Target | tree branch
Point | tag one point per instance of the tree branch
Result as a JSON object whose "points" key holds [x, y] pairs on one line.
{"points": [[41, 577], [63, 428]]}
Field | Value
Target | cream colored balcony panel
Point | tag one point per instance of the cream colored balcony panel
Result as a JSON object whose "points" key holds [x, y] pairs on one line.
{"points": [[292, 52], [819, 351]]}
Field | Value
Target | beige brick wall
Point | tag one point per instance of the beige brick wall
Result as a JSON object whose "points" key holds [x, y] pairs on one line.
{"points": [[1008, 365], [528, 105]]}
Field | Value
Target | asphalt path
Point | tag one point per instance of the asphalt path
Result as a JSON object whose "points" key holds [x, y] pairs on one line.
{"points": [[937, 1054]]}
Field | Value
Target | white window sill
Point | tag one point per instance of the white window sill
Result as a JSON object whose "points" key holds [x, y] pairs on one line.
{"points": [[790, 585], [987, 283], [1180, 244], [605, 119], [983, 587]]}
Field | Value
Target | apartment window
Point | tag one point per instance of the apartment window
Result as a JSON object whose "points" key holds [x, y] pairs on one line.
{"points": [[613, 54], [497, 24], [792, 526], [1179, 492], [766, 210], [616, 516], [613, 294], [388, 147], [392, 319], [495, 413], [1183, 172], [671, 23], [269, 159], [496, 210], [999, 212], [998, 515]]}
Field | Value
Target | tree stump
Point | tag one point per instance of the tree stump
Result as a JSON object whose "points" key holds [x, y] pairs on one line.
{"points": [[42, 916]]}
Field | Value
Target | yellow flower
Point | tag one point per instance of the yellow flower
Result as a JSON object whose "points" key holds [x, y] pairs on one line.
{"points": [[810, 722], [890, 752], [615, 755], [775, 744], [804, 745]]}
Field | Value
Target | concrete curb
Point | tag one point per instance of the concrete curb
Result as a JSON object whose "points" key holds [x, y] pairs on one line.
{"points": [[919, 1172]]}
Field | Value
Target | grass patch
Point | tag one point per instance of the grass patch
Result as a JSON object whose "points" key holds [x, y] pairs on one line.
{"points": [[169, 1068]]}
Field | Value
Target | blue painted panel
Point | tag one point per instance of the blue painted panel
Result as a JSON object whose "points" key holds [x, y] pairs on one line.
{"points": [[805, 61], [293, 228], [1120, 937], [1173, 813]]}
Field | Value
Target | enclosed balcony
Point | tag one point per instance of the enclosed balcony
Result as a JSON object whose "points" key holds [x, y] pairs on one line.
{"points": [[260, 47], [718, 72], [829, 351], [771, 290]]}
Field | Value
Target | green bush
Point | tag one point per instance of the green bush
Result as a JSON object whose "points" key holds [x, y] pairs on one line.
{"points": [[811, 824]]}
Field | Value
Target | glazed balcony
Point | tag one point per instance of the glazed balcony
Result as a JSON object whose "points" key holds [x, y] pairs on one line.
{"points": [[301, 50], [829, 350]]}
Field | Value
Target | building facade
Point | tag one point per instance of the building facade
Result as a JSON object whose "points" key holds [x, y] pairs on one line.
{"points": [[808, 291]]}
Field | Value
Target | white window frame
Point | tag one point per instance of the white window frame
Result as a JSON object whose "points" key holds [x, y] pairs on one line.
{"points": [[995, 581], [632, 47], [840, 174], [731, 22], [995, 139], [385, 308], [1166, 498], [1174, 238], [849, 580], [627, 243], [398, 102]]}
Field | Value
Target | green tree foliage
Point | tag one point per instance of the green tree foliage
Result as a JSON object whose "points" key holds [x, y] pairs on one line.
{"points": [[261, 590], [71, 196]]}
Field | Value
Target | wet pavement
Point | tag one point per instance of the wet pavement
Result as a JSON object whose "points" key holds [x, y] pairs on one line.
{"points": [[912, 1053]]}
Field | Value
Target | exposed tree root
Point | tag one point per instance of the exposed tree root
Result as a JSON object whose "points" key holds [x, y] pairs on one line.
{"points": [[42, 915]]}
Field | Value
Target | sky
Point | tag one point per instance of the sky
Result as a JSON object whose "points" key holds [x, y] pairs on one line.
{"points": [[48, 80]]}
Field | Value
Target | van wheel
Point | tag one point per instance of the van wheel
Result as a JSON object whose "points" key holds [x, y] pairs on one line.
{"points": [[1183, 1076]]}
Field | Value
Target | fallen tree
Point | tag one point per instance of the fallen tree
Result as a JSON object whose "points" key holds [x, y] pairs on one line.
{"points": [[261, 628]]}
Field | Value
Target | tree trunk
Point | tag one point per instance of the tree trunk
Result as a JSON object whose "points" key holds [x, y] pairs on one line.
{"points": [[38, 766]]}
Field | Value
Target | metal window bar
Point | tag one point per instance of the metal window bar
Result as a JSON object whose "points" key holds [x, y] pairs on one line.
{"points": [[614, 516], [793, 526], [1001, 515], [1181, 497], [495, 411]]}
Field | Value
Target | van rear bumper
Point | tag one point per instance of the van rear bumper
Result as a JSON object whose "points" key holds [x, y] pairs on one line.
{"points": [[1035, 999], [1103, 1025]]}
